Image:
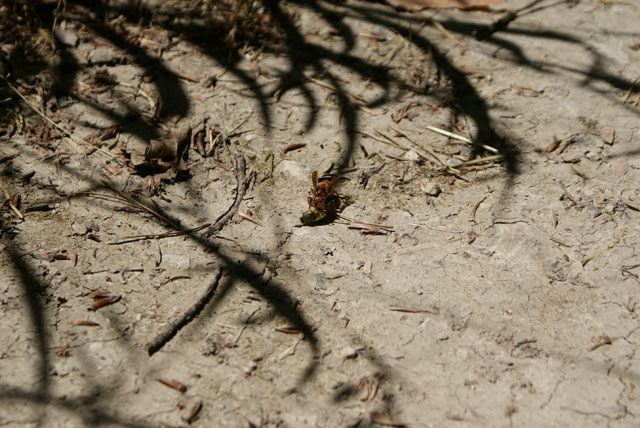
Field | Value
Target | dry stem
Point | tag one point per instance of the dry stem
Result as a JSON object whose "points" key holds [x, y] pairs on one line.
{"points": [[172, 329], [241, 189]]}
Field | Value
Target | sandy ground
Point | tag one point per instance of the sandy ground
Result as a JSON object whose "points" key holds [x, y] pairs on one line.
{"points": [[509, 299]]}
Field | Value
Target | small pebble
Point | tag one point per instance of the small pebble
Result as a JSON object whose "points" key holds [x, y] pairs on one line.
{"points": [[432, 189]]}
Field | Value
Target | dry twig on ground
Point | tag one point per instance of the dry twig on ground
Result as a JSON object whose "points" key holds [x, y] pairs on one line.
{"points": [[241, 189], [173, 327]]}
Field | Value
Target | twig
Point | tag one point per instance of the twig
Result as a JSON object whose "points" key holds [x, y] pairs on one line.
{"points": [[232, 133], [377, 229], [131, 201], [244, 327], [446, 33], [134, 238], [172, 329], [241, 189], [566, 192], [471, 162], [373, 137], [423, 154], [603, 250], [632, 206], [472, 218]]}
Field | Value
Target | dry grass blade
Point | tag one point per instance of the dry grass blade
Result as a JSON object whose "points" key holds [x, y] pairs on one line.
{"points": [[131, 201], [486, 159], [603, 250], [134, 238], [414, 311], [426, 150], [461, 138], [249, 218], [446, 33], [369, 228], [422, 152]]}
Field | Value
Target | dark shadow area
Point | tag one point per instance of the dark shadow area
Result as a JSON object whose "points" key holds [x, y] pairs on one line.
{"points": [[88, 407], [307, 60]]}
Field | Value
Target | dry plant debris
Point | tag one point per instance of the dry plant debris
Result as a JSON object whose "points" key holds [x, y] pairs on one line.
{"points": [[112, 132]]}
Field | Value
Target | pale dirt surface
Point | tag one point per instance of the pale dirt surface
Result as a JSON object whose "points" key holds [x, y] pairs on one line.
{"points": [[510, 319]]}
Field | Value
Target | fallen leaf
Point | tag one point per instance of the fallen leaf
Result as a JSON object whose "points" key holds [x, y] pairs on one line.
{"points": [[191, 415], [553, 145], [174, 384], [291, 147], [101, 300]]}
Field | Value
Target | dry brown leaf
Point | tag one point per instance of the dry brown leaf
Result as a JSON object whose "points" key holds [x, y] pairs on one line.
{"points": [[174, 384], [292, 147], [442, 4], [193, 412], [100, 300], [554, 145], [165, 150]]}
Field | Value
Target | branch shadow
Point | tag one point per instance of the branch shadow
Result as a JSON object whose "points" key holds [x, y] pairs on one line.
{"points": [[304, 56]]}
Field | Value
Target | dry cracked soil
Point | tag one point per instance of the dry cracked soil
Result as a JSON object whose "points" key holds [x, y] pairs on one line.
{"points": [[155, 272]]}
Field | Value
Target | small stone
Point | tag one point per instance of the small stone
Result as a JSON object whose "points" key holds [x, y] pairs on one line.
{"points": [[453, 162], [411, 155], [608, 135], [250, 368], [349, 353], [66, 37], [594, 212], [432, 189], [593, 156], [178, 260]]}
